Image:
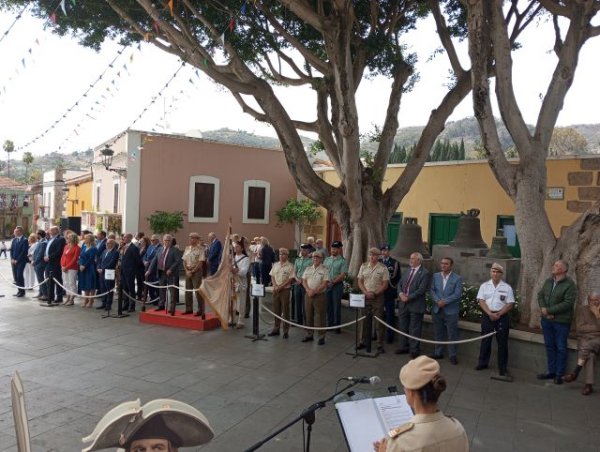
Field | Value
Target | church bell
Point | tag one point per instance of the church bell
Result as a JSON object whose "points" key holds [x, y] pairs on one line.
{"points": [[468, 234], [499, 248], [410, 240]]}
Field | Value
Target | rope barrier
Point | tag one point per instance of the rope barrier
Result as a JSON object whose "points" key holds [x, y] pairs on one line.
{"points": [[140, 301], [70, 292], [322, 328], [169, 286], [23, 288], [463, 341]]}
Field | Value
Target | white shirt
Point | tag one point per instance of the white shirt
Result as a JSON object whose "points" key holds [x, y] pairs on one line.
{"points": [[496, 297], [445, 279]]}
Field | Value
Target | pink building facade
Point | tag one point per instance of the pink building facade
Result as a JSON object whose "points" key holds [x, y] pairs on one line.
{"points": [[209, 182]]}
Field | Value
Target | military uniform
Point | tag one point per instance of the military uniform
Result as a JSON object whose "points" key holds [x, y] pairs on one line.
{"points": [[429, 433], [373, 277], [315, 306], [281, 273], [193, 256]]}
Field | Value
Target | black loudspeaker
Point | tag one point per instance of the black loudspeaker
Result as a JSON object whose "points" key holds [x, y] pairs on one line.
{"points": [[71, 223]]}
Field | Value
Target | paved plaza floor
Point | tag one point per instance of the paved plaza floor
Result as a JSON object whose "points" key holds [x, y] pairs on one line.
{"points": [[76, 366]]}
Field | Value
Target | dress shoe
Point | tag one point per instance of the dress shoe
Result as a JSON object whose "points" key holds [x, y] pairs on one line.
{"points": [[434, 356], [36, 296], [188, 312], [43, 298], [321, 341], [239, 326], [159, 308], [380, 349], [401, 351], [587, 390], [569, 378], [20, 294], [558, 380], [545, 376], [307, 339], [453, 360], [481, 366], [360, 346], [100, 307], [133, 310], [273, 333], [285, 335], [414, 355]]}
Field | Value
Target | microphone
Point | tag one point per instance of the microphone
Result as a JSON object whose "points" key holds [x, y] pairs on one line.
{"points": [[371, 380]]}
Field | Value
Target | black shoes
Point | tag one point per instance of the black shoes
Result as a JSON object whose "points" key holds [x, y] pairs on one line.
{"points": [[273, 333], [307, 339], [414, 355], [401, 351], [360, 346], [434, 356], [188, 313], [453, 360], [100, 307], [546, 376], [285, 335], [558, 380], [321, 341], [481, 366], [380, 349]]}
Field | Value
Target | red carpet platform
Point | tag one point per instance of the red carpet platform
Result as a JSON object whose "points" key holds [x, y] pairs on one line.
{"points": [[179, 320]]}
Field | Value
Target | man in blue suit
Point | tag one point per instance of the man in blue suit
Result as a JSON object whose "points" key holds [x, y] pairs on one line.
{"points": [[107, 261], [150, 262], [411, 293], [214, 253], [446, 290], [18, 259]]}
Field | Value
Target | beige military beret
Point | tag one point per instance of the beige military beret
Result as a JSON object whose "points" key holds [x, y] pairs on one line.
{"points": [[418, 372], [498, 267]]}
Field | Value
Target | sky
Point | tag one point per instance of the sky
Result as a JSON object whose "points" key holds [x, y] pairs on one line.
{"points": [[43, 75]]}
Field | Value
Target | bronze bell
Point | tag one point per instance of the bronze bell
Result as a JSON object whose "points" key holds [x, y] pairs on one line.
{"points": [[410, 240], [499, 249], [468, 234]]}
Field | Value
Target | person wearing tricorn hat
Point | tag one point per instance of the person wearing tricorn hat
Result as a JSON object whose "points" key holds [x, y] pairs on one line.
{"points": [[160, 425], [496, 299], [429, 429]]}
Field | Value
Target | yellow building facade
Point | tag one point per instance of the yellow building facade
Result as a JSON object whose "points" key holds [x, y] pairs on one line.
{"points": [[78, 196], [449, 188]]}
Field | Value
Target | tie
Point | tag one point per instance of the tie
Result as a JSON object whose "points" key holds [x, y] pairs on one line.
{"points": [[408, 283], [163, 258]]}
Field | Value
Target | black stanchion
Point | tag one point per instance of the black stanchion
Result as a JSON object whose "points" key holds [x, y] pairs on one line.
{"points": [[51, 290], [256, 335], [120, 313], [308, 416], [368, 325]]}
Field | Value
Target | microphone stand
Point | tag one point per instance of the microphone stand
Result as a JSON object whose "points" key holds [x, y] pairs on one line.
{"points": [[308, 415]]}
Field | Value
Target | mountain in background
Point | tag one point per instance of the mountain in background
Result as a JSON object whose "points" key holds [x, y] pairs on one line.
{"points": [[464, 129]]}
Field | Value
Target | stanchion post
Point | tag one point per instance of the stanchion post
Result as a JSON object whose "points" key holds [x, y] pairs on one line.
{"points": [[120, 303], [256, 335], [368, 326]]}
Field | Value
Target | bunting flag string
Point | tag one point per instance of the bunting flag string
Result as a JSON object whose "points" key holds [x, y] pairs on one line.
{"points": [[19, 15], [23, 62], [76, 103]]}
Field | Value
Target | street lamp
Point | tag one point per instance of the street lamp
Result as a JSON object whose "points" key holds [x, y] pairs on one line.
{"points": [[107, 159]]}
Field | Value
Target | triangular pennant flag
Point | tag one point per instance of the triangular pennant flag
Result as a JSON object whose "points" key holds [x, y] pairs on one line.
{"points": [[53, 18], [243, 8], [155, 26], [231, 23], [62, 6]]}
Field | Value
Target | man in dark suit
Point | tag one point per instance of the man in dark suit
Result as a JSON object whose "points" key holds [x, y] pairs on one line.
{"points": [[169, 265], [107, 261], [411, 294], [39, 265], [52, 255], [130, 262], [150, 262], [214, 253], [446, 290], [18, 259]]}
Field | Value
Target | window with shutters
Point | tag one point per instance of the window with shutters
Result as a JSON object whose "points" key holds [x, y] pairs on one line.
{"points": [[257, 194], [203, 199]]}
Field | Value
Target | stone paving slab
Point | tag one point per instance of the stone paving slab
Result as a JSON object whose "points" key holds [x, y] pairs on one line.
{"points": [[76, 366]]}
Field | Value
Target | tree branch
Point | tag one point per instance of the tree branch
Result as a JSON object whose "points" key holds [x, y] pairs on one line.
{"points": [[445, 38]]}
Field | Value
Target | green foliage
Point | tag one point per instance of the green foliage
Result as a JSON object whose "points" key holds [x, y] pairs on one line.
{"points": [[299, 212], [165, 222], [114, 224], [8, 146], [316, 147]]}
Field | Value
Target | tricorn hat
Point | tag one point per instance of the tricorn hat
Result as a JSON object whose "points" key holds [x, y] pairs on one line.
{"points": [[178, 422]]}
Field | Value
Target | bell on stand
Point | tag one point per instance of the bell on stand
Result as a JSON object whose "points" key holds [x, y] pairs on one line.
{"points": [[410, 240], [499, 248], [468, 234]]}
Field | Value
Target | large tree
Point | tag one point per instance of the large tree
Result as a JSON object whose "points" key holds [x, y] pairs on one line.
{"points": [[329, 46], [490, 49]]}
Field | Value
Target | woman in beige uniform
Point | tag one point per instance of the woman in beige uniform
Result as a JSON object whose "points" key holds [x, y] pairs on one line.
{"points": [[429, 430]]}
